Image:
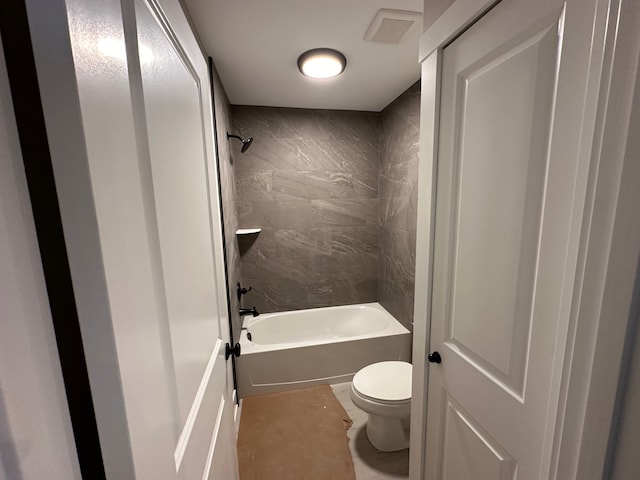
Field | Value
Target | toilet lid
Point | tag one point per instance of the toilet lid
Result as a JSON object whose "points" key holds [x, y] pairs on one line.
{"points": [[387, 381]]}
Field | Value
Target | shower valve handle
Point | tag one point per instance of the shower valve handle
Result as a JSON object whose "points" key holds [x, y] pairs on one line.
{"points": [[242, 291]]}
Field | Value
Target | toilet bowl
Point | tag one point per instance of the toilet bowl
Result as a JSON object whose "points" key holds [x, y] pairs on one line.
{"points": [[383, 390]]}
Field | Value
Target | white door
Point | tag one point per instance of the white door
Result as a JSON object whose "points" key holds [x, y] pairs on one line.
{"points": [[177, 108], [508, 210], [144, 237]]}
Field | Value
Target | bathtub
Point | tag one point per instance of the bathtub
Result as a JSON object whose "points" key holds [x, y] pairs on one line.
{"points": [[328, 345]]}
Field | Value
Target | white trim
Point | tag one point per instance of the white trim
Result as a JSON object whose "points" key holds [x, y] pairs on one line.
{"points": [[429, 123], [214, 438], [237, 415], [594, 359], [185, 435], [459, 16]]}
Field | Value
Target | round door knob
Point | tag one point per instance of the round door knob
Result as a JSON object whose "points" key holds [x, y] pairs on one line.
{"points": [[435, 357], [229, 350]]}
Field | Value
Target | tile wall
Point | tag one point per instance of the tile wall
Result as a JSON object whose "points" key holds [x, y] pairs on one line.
{"points": [[335, 194], [310, 181], [398, 196], [228, 194]]}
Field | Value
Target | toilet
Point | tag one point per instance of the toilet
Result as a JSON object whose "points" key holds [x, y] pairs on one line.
{"points": [[383, 390]]}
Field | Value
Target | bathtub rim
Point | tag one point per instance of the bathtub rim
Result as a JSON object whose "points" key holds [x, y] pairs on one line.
{"points": [[248, 347]]}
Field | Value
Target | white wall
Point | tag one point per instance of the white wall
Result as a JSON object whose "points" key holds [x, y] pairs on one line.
{"points": [[36, 440]]}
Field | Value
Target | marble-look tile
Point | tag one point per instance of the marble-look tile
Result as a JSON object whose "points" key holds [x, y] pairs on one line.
{"points": [[342, 213], [407, 104], [257, 298], [284, 295], [398, 174], [285, 269], [396, 287], [395, 274], [398, 155], [277, 214], [362, 184], [287, 294], [293, 123], [309, 154], [244, 210], [398, 204], [256, 247], [398, 302], [305, 184], [404, 115], [351, 126], [319, 295], [404, 136], [259, 122], [404, 187], [396, 213], [401, 246], [297, 296], [228, 196], [303, 243], [358, 290], [311, 123], [284, 154], [358, 239], [326, 171], [369, 463], [254, 185], [345, 266], [351, 156], [269, 296]]}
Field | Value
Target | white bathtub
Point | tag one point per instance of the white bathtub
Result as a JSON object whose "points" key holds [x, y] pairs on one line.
{"points": [[302, 348]]}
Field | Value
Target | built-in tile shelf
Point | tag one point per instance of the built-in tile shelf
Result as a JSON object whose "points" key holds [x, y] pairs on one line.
{"points": [[248, 231]]}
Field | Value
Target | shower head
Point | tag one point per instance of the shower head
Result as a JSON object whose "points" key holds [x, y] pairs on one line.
{"points": [[246, 142]]}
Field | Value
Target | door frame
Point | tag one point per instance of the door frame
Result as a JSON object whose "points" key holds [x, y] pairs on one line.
{"points": [[603, 298], [37, 158]]}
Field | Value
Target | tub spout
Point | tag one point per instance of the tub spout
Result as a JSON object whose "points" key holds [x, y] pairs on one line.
{"points": [[249, 311]]}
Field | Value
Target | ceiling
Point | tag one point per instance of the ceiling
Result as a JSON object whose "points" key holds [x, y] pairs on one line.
{"points": [[255, 45]]}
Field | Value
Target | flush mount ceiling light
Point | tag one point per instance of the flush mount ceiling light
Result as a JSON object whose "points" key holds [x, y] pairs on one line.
{"points": [[322, 63]]}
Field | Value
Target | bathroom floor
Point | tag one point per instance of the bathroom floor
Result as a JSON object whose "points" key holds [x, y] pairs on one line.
{"points": [[369, 463]]}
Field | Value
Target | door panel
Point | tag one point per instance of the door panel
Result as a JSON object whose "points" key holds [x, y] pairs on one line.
{"points": [[175, 129], [182, 174], [147, 122], [498, 167], [469, 451], [201, 431], [502, 229], [222, 459]]}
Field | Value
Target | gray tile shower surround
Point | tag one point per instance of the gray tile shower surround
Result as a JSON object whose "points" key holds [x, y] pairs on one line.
{"points": [[398, 198], [228, 196], [335, 194]]}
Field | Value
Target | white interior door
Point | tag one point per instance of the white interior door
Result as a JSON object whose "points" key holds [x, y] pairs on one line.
{"points": [[144, 234], [176, 109], [508, 211]]}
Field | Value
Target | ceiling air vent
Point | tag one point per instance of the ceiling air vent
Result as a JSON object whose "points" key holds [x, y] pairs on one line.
{"points": [[391, 26]]}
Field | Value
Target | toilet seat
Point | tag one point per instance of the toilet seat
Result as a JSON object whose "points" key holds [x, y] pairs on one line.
{"points": [[387, 383]]}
